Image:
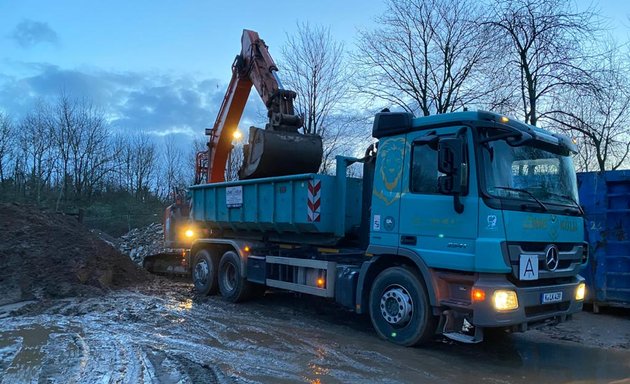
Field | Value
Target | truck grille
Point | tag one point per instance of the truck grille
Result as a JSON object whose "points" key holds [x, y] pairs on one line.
{"points": [[570, 258], [536, 247]]}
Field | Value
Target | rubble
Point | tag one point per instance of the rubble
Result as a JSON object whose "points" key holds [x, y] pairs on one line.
{"points": [[142, 242], [48, 255]]}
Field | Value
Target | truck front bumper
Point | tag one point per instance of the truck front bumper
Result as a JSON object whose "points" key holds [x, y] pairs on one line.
{"points": [[531, 309]]}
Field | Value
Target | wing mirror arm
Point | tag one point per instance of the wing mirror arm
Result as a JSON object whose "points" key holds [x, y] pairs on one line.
{"points": [[450, 162]]}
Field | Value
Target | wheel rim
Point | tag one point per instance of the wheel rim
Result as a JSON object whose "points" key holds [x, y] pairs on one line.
{"points": [[229, 276], [396, 305], [202, 271]]}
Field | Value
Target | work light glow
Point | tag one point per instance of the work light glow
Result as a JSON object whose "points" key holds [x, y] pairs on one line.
{"points": [[504, 300], [580, 292], [189, 233]]}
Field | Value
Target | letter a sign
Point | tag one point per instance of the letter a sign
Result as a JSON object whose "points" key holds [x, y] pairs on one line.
{"points": [[528, 268]]}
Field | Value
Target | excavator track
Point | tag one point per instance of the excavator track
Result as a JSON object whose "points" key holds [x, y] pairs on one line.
{"points": [[172, 263]]}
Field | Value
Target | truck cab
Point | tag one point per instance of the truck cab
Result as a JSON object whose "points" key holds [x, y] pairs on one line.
{"points": [[482, 211], [462, 221]]}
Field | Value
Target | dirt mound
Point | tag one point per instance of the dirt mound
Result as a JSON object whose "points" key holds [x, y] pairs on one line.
{"points": [[51, 255]]}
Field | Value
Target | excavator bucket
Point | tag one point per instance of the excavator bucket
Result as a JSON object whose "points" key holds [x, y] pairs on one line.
{"points": [[276, 153]]}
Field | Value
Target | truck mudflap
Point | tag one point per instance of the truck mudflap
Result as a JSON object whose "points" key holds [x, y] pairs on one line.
{"points": [[537, 304]]}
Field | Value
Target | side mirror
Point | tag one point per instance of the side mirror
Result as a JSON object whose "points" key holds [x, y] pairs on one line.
{"points": [[450, 162], [450, 155]]}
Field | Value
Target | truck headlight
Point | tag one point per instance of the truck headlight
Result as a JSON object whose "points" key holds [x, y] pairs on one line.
{"points": [[580, 292], [504, 300]]}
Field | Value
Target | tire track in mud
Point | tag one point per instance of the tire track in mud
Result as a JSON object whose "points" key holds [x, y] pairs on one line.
{"points": [[112, 339], [129, 336], [161, 333]]}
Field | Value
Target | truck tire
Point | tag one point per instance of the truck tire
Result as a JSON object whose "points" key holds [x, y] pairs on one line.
{"points": [[400, 309], [233, 286], [204, 273]]}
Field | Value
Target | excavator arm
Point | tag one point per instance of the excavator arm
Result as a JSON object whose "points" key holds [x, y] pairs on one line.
{"points": [[274, 151], [277, 150]]}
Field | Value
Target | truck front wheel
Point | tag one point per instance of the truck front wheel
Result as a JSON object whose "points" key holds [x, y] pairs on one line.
{"points": [[233, 286], [400, 309], [204, 273]]}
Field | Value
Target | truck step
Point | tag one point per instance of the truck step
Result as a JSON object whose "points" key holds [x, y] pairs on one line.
{"points": [[462, 338]]}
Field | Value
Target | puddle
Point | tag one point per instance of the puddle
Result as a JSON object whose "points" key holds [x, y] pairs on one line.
{"points": [[26, 362], [164, 337]]}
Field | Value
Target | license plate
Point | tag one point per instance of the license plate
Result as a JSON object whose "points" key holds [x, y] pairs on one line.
{"points": [[552, 297]]}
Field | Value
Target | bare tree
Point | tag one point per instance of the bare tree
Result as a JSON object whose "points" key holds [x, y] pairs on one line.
{"points": [[63, 130], [65, 152], [139, 162], [84, 146], [6, 144], [235, 161], [37, 156], [540, 45], [173, 166], [599, 117], [94, 154], [199, 144], [349, 137], [315, 67], [423, 56]]}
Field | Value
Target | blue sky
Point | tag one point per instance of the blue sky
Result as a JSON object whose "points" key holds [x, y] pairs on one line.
{"points": [[162, 66], [154, 66]]}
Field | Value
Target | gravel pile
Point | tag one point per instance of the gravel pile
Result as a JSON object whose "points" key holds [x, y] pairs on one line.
{"points": [[142, 242]]}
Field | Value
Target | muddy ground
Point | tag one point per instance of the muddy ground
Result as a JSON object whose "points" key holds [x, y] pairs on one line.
{"points": [[161, 332], [73, 309]]}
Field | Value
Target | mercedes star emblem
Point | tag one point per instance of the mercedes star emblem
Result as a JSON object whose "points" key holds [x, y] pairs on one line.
{"points": [[551, 258]]}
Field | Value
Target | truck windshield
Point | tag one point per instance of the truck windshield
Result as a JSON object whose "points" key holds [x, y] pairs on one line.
{"points": [[529, 173]]}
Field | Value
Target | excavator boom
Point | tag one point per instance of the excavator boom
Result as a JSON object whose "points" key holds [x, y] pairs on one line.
{"points": [[277, 150]]}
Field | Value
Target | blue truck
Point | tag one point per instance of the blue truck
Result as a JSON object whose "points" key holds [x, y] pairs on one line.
{"points": [[460, 222]]}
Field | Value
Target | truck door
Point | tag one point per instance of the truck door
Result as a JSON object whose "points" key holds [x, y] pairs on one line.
{"points": [[386, 193], [429, 224]]}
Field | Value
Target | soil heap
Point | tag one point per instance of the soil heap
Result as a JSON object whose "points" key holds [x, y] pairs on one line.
{"points": [[50, 255]]}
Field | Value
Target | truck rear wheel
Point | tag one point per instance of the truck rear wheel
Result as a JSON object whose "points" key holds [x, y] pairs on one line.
{"points": [[400, 309], [204, 273], [233, 286]]}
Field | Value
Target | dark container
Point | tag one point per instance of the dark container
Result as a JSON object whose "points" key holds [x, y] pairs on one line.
{"points": [[605, 197]]}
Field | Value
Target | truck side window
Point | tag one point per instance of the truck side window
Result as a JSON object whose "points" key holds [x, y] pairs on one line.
{"points": [[424, 171]]}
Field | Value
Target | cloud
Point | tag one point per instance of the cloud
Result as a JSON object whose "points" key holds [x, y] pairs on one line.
{"points": [[177, 107], [29, 33]]}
